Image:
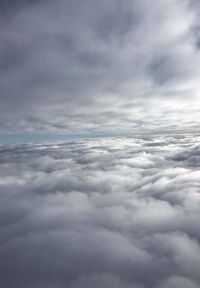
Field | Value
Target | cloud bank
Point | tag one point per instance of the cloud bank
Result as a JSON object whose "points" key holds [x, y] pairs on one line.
{"points": [[110, 212]]}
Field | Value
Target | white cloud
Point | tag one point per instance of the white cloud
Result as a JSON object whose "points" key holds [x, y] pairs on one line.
{"points": [[110, 212]]}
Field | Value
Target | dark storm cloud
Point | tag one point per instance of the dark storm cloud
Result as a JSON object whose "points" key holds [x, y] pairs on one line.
{"points": [[110, 212], [70, 64]]}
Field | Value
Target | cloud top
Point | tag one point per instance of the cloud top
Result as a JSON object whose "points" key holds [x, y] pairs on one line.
{"points": [[110, 212]]}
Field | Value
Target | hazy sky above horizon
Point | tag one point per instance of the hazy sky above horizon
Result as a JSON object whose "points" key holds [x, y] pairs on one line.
{"points": [[97, 65]]}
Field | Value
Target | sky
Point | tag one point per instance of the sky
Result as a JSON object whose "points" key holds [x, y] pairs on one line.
{"points": [[71, 66], [99, 143]]}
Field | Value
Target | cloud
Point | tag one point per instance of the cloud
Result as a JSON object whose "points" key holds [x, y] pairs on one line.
{"points": [[107, 212], [176, 282], [69, 65]]}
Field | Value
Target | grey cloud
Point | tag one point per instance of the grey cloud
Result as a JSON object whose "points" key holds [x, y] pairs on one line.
{"points": [[74, 65], [190, 156], [176, 282]]}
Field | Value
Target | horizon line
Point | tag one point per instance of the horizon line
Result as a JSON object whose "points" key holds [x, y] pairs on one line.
{"points": [[34, 138]]}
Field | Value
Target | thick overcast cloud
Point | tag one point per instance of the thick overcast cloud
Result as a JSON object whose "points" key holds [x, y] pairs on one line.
{"points": [[70, 65], [105, 213]]}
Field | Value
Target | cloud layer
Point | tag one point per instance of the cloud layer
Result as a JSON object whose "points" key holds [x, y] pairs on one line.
{"points": [[110, 212], [78, 65]]}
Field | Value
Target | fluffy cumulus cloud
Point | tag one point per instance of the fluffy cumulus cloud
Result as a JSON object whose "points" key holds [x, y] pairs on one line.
{"points": [[105, 213], [70, 65]]}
